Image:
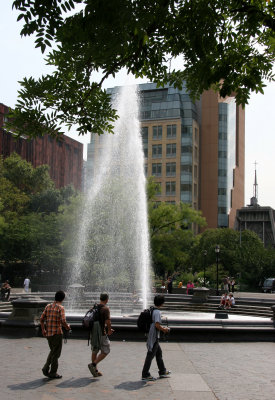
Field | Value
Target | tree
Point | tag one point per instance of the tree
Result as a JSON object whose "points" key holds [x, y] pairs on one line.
{"points": [[228, 45], [31, 215], [244, 258], [171, 236], [24, 176]]}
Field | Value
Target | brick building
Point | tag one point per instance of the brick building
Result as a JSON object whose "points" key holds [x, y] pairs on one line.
{"points": [[65, 157]]}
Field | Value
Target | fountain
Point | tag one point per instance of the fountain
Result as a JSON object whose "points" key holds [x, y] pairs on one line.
{"points": [[112, 251], [112, 248]]}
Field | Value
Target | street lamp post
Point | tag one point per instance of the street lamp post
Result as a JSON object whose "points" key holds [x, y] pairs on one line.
{"points": [[204, 262], [217, 250]]}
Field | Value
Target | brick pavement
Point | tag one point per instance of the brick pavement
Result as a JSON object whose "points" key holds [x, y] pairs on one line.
{"points": [[201, 371]]}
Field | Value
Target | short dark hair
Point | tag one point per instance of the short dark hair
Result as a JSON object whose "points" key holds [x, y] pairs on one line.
{"points": [[159, 300], [104, 296], [59, 296]]}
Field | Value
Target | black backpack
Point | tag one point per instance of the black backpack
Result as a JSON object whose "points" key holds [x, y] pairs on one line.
{"points": [[90, 317], [145, 319]]}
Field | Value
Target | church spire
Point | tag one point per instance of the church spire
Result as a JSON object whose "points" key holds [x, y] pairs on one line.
{"points": [[254, 199]]}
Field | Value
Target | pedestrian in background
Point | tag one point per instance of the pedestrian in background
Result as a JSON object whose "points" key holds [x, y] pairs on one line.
{"points": [[27, 284]]}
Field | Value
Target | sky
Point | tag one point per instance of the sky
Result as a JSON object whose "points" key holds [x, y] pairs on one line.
{"points": [[19, 58]]}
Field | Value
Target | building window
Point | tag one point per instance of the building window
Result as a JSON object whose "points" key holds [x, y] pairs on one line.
{"points": [[186, 187], [171, 150], [145, 169], [171, 169], [156, 169], [195, 171], [170, 188], [171, 131], [222, 172], [222, 210], [144, 133], [186, 131], [223, 117], [186, 149], [196, 153], [158, 189], [222, 154], [222, 191], [186, 168], [195, 190], [196, 135], [145, 150], [223, 135], [157, 132], [157, 151]]}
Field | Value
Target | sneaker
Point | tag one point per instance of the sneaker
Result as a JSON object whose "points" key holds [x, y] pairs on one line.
{"points": [[165, 375], [148, 378], [56, 376], [92, 369]]}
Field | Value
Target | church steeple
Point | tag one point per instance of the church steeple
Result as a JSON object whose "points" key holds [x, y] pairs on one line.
{"points": [[254, 199]]}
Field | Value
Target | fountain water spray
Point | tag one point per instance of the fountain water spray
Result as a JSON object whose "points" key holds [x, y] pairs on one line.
{"points": [[112, 249]]}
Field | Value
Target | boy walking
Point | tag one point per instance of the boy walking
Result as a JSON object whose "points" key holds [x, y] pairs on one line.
{"points": [[52, 320], [99, 336], [154, 349]]}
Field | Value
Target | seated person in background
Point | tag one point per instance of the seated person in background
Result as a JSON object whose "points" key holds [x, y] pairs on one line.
{"points": [[5, 291], [180, 285], [190, 287], [231, 300], [224, 300], [163, 286]]}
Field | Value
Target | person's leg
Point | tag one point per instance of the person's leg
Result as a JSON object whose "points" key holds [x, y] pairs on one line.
{"points": [[148, 361], [105, 349], [56, 348], [94, 355], [47, 365], [159, 360]]}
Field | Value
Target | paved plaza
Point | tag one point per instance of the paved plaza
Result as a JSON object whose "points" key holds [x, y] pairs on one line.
{"points": [[200, 371]]}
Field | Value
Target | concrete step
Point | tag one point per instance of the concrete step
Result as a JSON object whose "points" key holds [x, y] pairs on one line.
{"points": [[5, 306]]}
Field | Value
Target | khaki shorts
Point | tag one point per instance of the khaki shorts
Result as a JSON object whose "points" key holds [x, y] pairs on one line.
{"points": [[105, 345]]}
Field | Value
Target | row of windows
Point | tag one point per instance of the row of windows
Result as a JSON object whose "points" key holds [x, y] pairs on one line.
{"points": [[173, 112], [171, 132], [171, 150], [170, 188], [171, 169]]}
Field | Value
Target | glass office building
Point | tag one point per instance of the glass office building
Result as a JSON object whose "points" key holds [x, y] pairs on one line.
{"points": [[170, 133], [195, 150]]}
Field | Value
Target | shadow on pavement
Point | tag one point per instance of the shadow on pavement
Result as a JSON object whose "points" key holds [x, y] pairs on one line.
{"points": [[76, 383], [29, 385], [131, 385]]}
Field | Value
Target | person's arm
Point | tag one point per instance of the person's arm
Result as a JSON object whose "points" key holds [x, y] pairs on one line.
{"points": [[109, 327], [42, 319], [161, 328], [63, 320]]}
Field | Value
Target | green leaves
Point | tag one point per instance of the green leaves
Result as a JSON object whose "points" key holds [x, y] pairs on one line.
{"points": [[228, 41]]}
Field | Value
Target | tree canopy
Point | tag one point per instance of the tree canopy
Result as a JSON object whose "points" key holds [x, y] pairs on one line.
{"points": [[31, 215], [228, 45]]}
